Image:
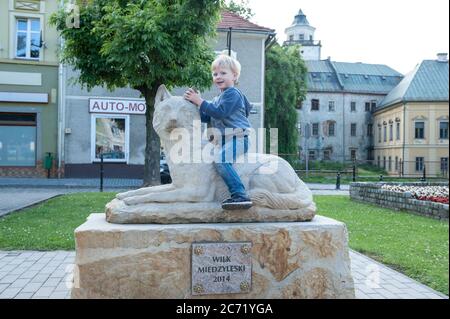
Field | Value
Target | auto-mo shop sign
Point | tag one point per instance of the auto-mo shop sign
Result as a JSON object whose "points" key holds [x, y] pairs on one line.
{"points": [[117, 106]]}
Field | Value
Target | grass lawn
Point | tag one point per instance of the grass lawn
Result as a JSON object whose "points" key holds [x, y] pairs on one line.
{"points": [[50, 225], [414, 245]]}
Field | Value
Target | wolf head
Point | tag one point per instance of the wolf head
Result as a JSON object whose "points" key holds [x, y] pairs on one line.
{"points": [[172, 112]]}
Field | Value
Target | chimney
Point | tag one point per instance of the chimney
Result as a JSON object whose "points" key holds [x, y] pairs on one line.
{"points": [[442, 57]]}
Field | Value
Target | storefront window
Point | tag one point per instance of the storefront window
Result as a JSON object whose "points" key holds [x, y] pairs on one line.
{"points": [[17, 139], [110, 138]]}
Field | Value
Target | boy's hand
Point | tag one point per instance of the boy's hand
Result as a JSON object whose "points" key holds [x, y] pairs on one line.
{"points": [[192, 96]]}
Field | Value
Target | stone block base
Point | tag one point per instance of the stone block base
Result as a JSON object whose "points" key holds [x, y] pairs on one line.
{"points": [[289, 260]]}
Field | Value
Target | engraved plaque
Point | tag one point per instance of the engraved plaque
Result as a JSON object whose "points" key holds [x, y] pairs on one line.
{"points": [[221, 268]]}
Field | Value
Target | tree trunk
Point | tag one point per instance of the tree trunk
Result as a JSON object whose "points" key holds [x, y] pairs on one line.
{"points": [[152, 149]]}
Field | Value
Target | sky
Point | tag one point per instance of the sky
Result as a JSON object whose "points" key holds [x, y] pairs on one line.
{"points": [[397, 33]]}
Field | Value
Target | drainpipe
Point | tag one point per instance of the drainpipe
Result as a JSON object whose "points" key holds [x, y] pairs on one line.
{"points": [[343, 127], [404, 137], [61, 107], [59, 118], [229, 35]]}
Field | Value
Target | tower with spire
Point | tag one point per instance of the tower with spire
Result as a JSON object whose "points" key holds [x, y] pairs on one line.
{"points": [[301, 32]]}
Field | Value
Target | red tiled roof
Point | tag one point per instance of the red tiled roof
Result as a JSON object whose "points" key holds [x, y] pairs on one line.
{"points": [[235, 21]]}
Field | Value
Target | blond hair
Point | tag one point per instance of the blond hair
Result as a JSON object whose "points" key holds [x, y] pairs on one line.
{"points": [[223, 60]]}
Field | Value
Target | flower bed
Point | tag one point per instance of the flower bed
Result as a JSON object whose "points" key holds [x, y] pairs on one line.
{"points": [[426, 199], [438, 194]]}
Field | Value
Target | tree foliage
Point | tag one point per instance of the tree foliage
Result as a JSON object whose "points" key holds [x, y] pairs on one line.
{"points": [[141, 44], [240, 8], [285, 89]]}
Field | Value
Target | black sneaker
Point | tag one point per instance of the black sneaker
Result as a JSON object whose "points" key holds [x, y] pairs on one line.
{"points": [[236, 203]]}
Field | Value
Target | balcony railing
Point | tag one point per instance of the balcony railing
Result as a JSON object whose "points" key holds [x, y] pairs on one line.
{"points": [[303, 42]]}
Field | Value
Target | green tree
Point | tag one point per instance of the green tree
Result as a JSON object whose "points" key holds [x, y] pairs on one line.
{"points": [[240, 7], [141, 44], [285, 89]]}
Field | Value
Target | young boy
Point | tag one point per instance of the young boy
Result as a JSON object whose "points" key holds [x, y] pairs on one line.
{"points": [[227, 112]]}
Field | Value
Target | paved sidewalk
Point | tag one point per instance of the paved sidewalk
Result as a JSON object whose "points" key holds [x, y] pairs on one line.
{"points": [[328, 187], [12, 199], [43, 275], [70, 182]]}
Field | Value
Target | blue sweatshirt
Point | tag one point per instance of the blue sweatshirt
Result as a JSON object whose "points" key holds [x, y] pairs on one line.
{"points": [[228, 110]]}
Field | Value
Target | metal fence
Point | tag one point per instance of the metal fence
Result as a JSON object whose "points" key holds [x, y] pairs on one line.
{"points": [[369, 170]]}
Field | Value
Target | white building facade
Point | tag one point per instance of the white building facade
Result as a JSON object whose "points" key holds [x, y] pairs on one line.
{"points": [[335, 120]]}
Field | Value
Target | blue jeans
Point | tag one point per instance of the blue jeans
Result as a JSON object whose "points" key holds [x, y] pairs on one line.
{"points": [[223, 162]]}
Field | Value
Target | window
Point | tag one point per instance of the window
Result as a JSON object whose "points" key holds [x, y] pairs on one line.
{"points": [[419, 164], [378, 161], [370, 155], [300, 105], [391, 132], [384, 162], [314, 105], [301, 37], [17, 139], [379, 134], [327, 155], [443, 130], [291, 38], [419, 132], [352, 106], [353, 129], [385, 133], [315, 129], [369, 129], [390, 164], [312, 155], [373, 105], [353, 154], [331, 129], [299, 128], [398, 131], [110, 137], [331, 106], [367, 106], [28, 38], [444, 164], [396, 163]]}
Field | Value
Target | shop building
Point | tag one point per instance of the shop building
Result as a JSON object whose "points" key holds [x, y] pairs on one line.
{"points": [[28, 89]]}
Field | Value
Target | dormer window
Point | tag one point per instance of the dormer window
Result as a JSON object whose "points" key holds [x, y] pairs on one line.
{"points": [[301, 37]]}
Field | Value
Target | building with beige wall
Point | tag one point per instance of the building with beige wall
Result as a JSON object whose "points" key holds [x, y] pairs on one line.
{"points": [[28, 87], [412, 123]]}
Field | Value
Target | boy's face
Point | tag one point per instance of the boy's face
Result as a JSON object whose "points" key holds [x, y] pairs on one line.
{"points": [[223, 78]]}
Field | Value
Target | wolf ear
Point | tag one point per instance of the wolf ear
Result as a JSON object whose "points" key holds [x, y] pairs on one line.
{"points": [[162, 94]]}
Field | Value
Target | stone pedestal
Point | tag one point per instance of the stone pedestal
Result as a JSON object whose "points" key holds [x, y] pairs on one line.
{"points": [[289, 259]]}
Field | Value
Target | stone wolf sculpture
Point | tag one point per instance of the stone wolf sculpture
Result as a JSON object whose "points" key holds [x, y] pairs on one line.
{"points": [[281, 190]]}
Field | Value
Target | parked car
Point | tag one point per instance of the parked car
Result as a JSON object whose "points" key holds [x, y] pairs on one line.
{"points": [[164, 172]]}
